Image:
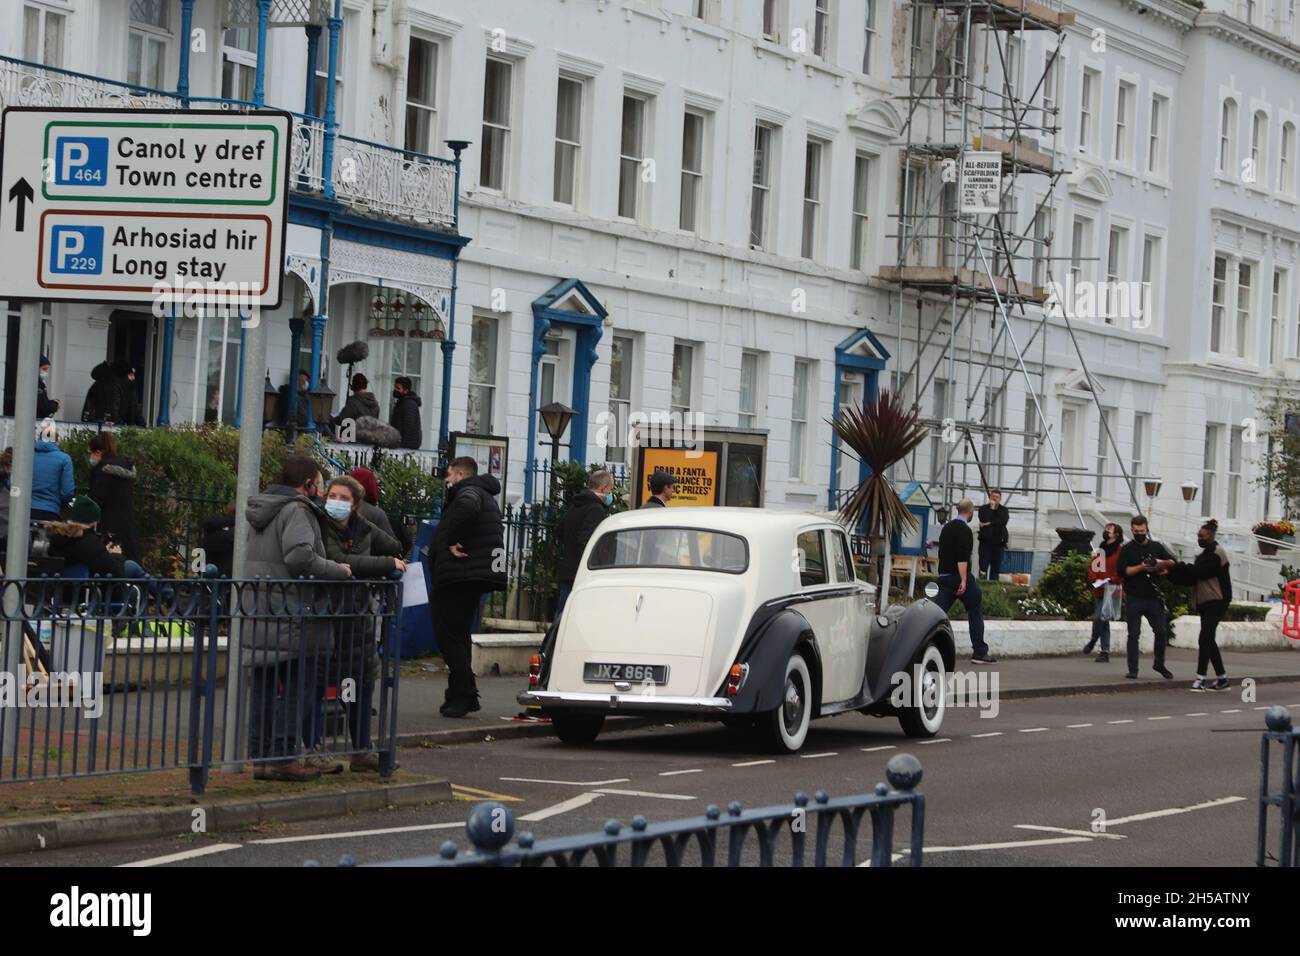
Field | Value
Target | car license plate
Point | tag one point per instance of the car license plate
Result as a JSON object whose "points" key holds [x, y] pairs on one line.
{"points": [[595, 673]]}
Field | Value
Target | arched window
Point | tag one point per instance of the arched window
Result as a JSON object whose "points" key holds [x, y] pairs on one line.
{"points": [[1259, 149], [1227, 125]]}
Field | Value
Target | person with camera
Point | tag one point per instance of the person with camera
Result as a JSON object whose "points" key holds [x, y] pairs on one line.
{"points": [[1141, 561]]}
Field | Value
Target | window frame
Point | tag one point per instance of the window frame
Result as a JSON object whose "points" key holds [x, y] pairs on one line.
{"points": [[573, 146], [503, 163], [696, 178], [810, 245], [431, 110], [762, 184], [799, 417], [637, 196], [492, 387]]}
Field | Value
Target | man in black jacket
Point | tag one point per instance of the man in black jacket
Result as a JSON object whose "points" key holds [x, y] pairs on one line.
{"points": [[1141, 561], [586, 511], [662, 488], [992, 535], [405, 416], [45, 406], [957, 581], [468, 554]]}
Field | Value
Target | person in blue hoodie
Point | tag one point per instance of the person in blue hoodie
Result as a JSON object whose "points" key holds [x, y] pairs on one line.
{"points": [[52, 484]]}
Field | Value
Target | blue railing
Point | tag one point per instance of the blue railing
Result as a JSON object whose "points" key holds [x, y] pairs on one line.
{"points": [[806, 833], [1280, 733]]}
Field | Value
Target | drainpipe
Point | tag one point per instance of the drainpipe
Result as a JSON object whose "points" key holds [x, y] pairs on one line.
{"points": [[165, 378], [187, 27], [239, 395], [322, 309], [327, 156], [449, 343], [259, 76], [399, 56]]}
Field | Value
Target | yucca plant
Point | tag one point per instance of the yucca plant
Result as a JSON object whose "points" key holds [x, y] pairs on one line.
{"points": [[881, 433]]}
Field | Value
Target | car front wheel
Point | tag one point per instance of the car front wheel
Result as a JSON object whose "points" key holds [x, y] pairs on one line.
{"points": [[577, 728], [787, 726], [922, 716]]}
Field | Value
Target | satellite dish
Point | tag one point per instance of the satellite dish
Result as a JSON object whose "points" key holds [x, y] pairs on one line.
{"points": [[932, 590]]}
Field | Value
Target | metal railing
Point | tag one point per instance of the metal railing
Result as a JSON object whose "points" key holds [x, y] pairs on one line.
{"points": [[1280, 733], [374, 177], [816, 833], [139, 674]]}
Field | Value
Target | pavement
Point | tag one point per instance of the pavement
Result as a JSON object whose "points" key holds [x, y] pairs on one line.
{"points": [[1155, 777]]}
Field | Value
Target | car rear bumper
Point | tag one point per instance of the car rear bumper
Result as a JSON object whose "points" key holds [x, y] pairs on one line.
{"points": [[625, 702]]}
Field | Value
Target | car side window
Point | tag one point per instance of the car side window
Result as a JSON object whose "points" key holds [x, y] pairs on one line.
{"points": [[840, 556], [812, 559]]}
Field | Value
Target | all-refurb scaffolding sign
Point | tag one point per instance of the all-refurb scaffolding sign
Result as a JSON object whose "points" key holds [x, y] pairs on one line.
{"points": [[981, 183], [138, 205]]}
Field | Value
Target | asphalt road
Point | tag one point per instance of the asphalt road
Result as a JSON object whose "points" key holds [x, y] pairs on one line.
{"points": [[1173, 774]]}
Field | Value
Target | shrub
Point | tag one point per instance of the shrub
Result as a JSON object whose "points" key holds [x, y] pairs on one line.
{"points": [[406, 488], [1245, 612], [1035, 606], [1065, 582]]}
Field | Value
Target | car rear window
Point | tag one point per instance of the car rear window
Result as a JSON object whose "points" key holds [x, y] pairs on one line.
{"points": [[691, 548]]}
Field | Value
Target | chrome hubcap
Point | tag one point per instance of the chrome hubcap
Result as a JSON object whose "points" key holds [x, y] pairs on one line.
{"points": [[792, 707]]}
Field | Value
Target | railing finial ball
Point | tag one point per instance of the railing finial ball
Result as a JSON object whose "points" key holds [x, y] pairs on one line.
{"points": [[903, 772], [881, 790], [347, 859], [448, 851], [490, 826], [526, 841], [639, 823], [613, 827], [800, 799], [1277, 719], [734, 808], [315, 863], [712, 812], [821, 796]]}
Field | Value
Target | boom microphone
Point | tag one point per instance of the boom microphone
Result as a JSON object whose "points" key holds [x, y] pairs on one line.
{"points": [[356, 352]]}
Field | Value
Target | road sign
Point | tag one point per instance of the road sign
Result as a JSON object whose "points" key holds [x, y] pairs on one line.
{"points": [[981, 182], [118, 205]]}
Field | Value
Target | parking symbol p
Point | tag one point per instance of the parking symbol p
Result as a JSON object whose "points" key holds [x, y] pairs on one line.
{"points": [[78, 250], [81, 161]]}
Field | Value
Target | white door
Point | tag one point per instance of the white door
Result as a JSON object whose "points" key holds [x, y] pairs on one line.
{"points": [[832, 615]]}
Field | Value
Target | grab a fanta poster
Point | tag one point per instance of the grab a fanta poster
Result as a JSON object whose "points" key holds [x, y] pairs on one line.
{"points": [[696, 474]]}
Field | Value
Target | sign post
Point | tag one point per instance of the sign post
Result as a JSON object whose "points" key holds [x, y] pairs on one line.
{"points": [[180, 210]]}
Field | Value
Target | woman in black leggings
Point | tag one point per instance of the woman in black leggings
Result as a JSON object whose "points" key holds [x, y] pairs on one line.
{"points": [[1211, 594]]}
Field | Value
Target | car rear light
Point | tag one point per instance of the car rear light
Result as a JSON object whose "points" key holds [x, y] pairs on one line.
{"points": [[736, 678], [534, 670]]}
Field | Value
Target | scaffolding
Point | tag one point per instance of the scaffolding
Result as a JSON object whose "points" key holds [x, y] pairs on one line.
{"points": [[968, 86]]}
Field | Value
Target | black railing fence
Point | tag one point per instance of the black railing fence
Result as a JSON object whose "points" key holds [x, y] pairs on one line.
{"points": [[127, 675], [1280, 734]]}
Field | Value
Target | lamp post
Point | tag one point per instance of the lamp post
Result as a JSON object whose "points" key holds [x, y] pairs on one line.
{"points": [[1152, 487], [555, 419], [270, 403], [1189, 495], [322, 400]]}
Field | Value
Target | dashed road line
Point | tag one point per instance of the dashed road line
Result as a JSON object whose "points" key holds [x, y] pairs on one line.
{"points": [[995, 733], [184, 855], [1159, 718], [1235, 711], [817, 756], [753, 763], [678, 773], [1119, 721], [1199, 713], [937, 740], [1034, 730], [1076, 726], [871, 750]]}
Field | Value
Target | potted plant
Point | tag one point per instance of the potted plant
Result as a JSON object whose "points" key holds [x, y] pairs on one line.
{"points": [[1274, 530]]}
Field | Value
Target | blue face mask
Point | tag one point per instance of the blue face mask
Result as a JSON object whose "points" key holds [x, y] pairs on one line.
{"points": [[338, 510], [608, 499]]}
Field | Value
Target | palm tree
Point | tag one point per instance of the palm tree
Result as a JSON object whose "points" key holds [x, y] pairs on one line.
{"points": [[883, 432]]}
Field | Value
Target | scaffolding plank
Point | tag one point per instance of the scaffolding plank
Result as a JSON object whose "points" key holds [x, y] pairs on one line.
{"points": [[958, 281], [1016, 153], [1017, 14]]}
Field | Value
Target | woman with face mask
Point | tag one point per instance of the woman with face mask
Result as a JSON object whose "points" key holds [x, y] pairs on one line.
{"points": [[1211, 587], [112, 485], [1103, 573], [371, 553]]}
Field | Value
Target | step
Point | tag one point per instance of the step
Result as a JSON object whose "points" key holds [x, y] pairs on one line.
{"points": [[503, 654]]}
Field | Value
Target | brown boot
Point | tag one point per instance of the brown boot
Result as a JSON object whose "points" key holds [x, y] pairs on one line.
{"points": [[288, 770]]}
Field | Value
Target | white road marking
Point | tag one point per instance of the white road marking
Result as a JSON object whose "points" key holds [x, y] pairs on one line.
{"points": [[817, 756], [1086, 833], [893, 858], [1076, 726], [1238, 711], [358, 833], [1009, 845], [937, 740], [1264, 707], [753, 763], [185, 855], [871, 750], [1159, 718], [678, 773], [1173, 811], [1033, 730], [646, 793], [1199, 713], [1119, 721], [995, 733], [570, 783], [564, 806]]}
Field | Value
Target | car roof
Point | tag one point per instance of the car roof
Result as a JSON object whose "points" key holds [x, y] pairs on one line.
{"points": [[747, 522]]}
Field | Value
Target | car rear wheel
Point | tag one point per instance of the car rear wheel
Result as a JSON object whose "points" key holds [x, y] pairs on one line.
{"points": [[577, 728], [787, 726], [922, 716]]}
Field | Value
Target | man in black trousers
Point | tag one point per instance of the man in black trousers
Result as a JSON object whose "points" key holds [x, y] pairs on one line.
{"points": [[957, 579], [1141, 561], [468, 560], [992, 535]]}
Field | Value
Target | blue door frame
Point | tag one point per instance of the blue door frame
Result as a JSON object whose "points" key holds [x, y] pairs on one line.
{"points": [[846, 361], [588, 326]]}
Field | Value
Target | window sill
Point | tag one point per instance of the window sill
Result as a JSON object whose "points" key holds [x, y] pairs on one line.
{"points": [[776, 49]]}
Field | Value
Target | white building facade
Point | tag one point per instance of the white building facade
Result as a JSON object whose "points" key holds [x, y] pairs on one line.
{"points": [[682, 206]]}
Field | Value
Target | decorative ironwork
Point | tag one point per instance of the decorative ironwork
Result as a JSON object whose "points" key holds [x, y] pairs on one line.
{"points": [[1280, 731], [284, 13], [30, 84], [395, 182], [490, 827]]}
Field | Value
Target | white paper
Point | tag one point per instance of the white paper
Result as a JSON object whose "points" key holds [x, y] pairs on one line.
{"points": [[414, 592]]}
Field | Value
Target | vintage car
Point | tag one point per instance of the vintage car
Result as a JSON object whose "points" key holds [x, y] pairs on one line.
{"points": [[752, 617]]}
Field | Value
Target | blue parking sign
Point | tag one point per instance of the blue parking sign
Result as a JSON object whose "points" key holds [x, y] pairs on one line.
{"points": [[77, 250], [81, 161]]}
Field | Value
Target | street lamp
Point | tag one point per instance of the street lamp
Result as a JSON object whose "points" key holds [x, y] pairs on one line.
{"points": [[1152, 488], [1189, 495], [555, 418], [322, 400], [270, 402]]}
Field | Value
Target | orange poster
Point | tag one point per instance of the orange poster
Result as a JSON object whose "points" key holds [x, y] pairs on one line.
{"points": [[696, 474]]}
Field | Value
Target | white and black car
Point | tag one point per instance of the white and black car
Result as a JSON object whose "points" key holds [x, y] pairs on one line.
{"points": [[754, 617]]}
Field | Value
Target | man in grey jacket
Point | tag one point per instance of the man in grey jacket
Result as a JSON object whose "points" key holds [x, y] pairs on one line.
{"points": [[282, 642]]}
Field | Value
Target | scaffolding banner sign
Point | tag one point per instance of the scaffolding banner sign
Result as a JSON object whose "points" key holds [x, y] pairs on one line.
{"points": [[981, 183], [116, 205]]}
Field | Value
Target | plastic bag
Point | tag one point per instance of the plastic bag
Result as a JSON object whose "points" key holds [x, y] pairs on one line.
{"points": [[1112, 596]]}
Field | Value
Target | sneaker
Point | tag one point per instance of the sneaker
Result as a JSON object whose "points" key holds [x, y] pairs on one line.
{"points": [[459, 708], [364, 763], [1131, 675], [1103, 657], [324, 763], [1164, 672], [984, 658], [1220, 684], [1198, 685], [287, 770]]}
